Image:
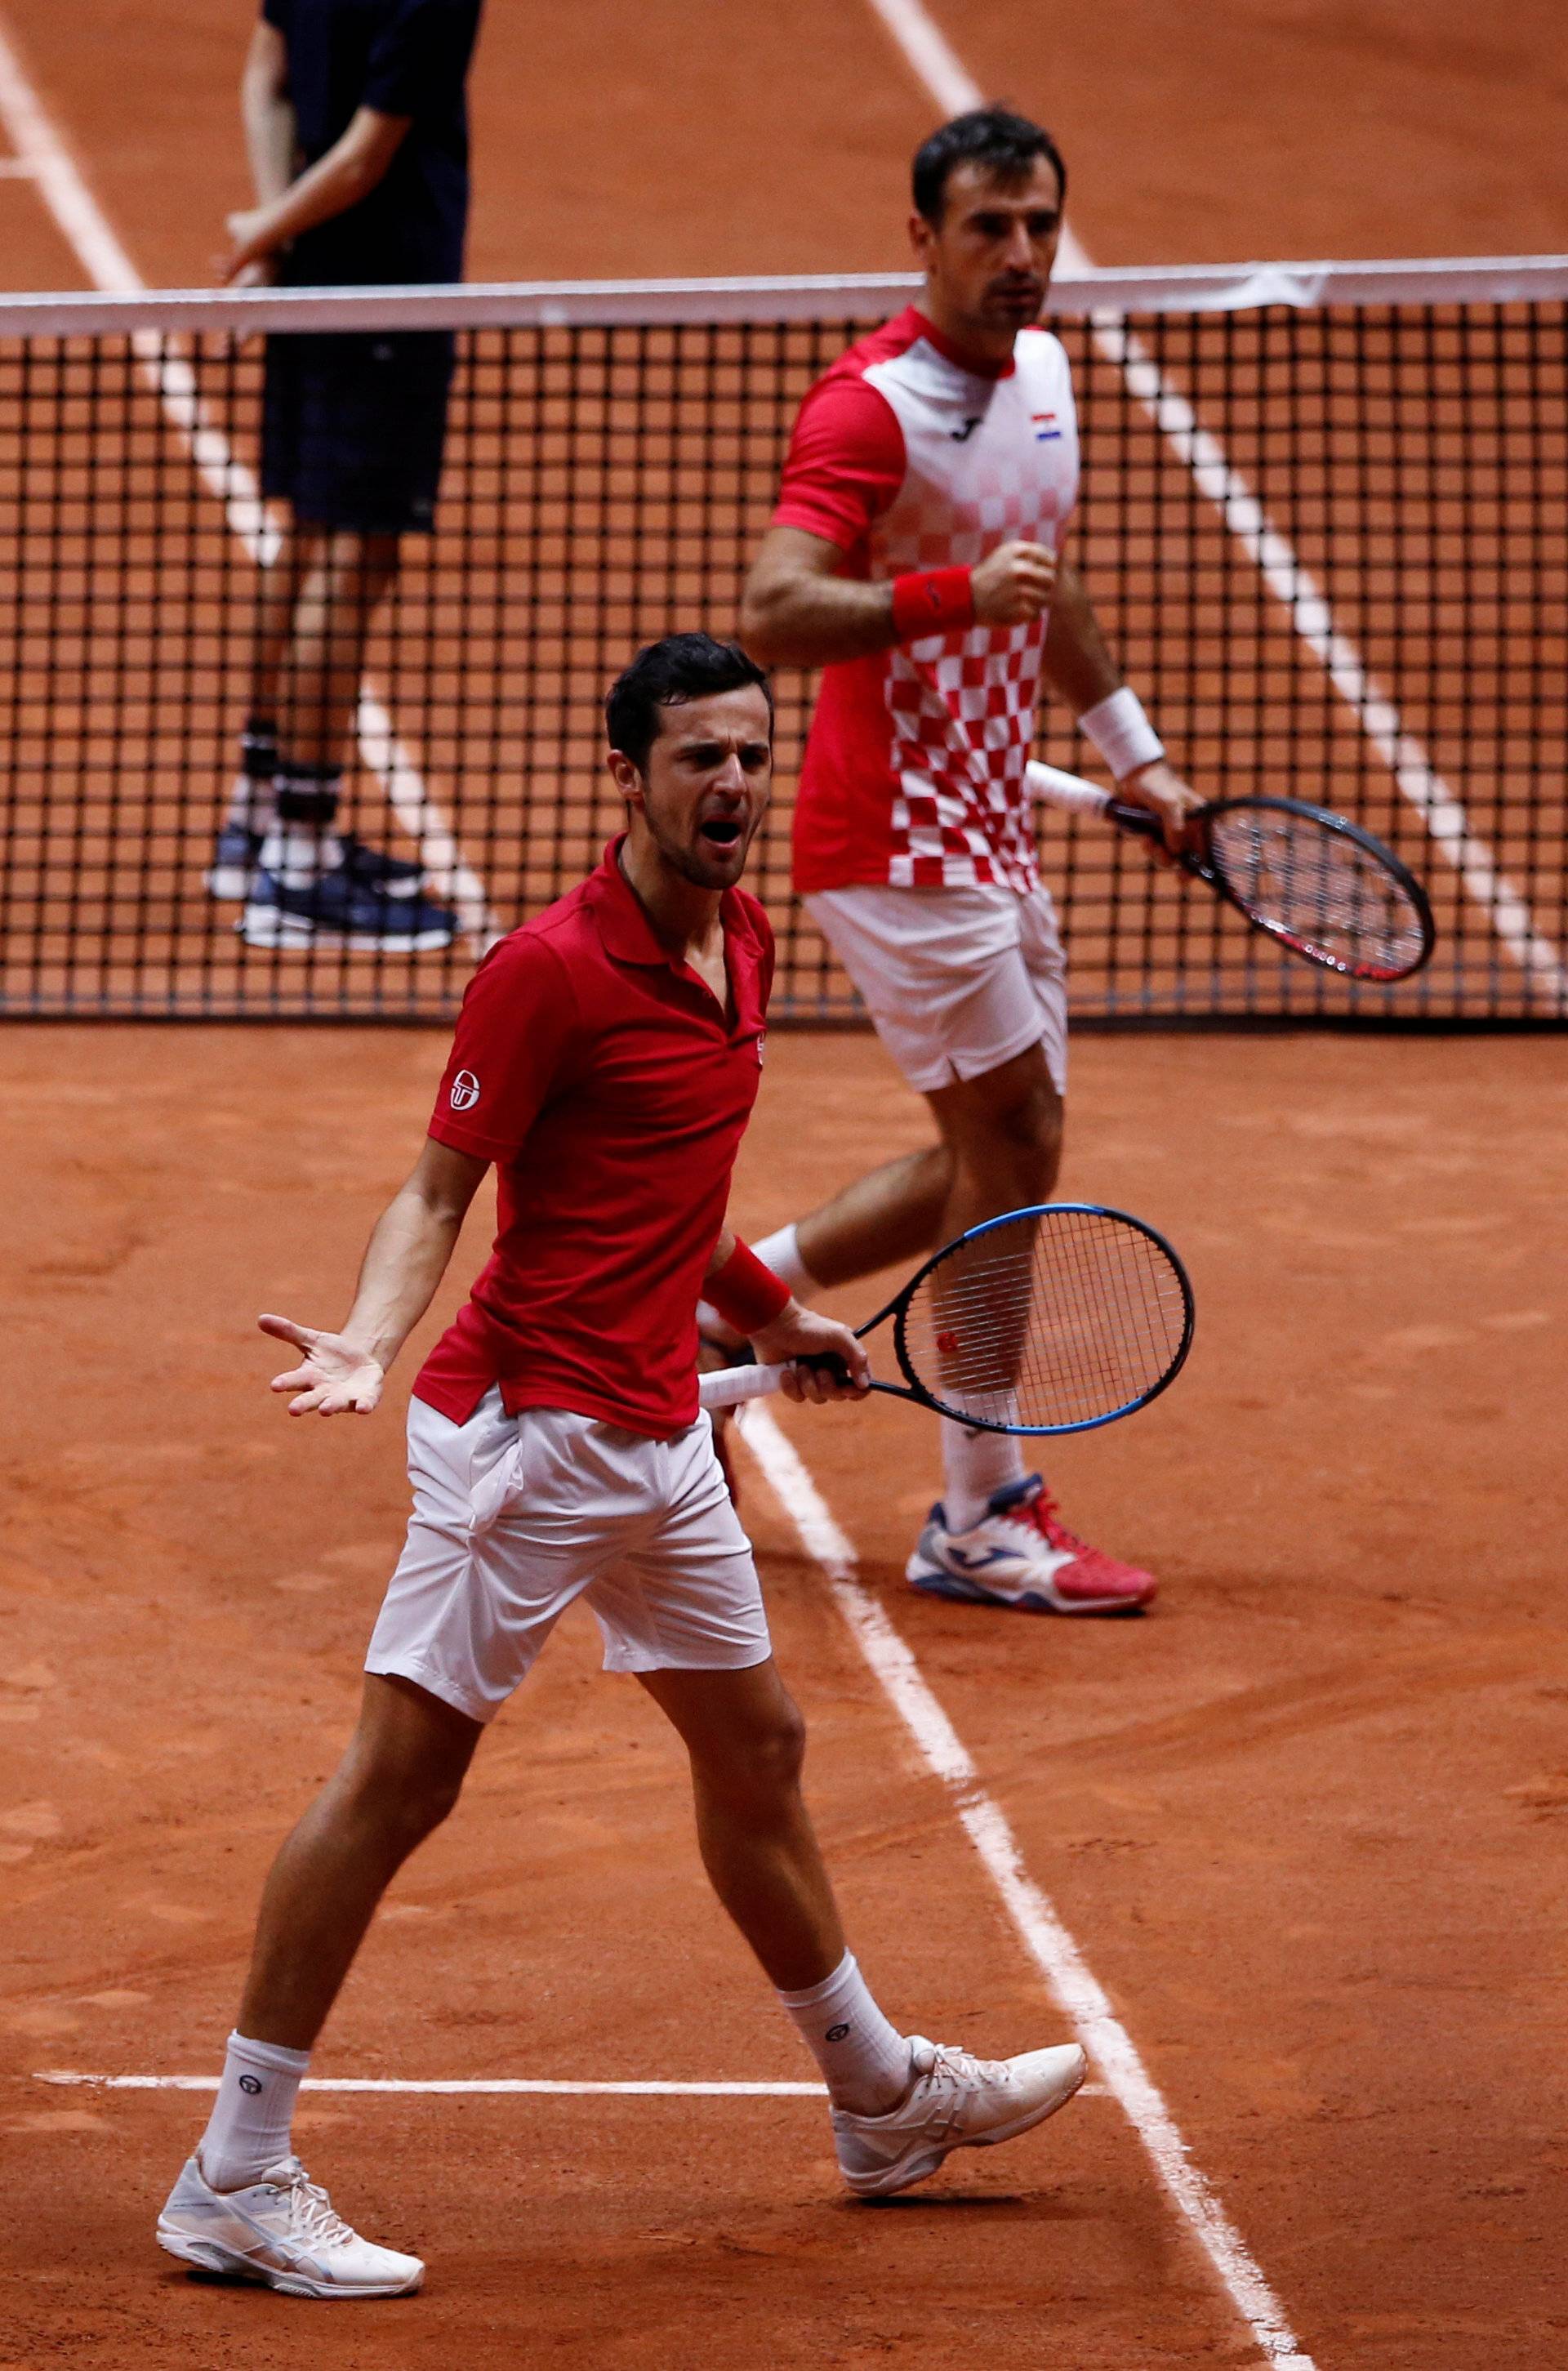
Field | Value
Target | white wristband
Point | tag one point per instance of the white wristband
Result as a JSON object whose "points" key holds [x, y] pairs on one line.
{"points": [[1122, 732]]}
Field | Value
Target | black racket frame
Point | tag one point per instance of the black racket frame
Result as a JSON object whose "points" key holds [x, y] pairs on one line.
{"points": [[1139, 820]]}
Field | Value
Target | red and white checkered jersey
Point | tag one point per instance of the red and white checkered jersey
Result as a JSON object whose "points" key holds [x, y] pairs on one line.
{"points": [[908, 455]]}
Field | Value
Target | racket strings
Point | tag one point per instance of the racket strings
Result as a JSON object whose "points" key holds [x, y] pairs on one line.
{"points": [[1048, 1321], [1320, 890]]}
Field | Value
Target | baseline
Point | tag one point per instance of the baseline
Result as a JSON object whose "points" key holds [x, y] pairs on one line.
{"points": [[462, 2086]]}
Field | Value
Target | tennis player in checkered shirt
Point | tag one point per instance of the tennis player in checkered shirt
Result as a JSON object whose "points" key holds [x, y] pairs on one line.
{"points": [[914, 556], [605, 1061]]}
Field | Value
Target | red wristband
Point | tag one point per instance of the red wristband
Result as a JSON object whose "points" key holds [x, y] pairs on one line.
{"points": [[936, 601], [747, 1295]]}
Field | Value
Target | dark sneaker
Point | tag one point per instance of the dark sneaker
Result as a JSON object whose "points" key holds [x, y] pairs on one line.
{"points": [[237, 854], [340, 911]]}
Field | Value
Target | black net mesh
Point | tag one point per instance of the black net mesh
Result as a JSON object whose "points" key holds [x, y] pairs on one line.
{"points": [[1336, 564]]}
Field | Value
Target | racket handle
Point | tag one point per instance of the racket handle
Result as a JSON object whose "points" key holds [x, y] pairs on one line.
{"points": [[1053, 787], [1139, 820], [728, 1386]]}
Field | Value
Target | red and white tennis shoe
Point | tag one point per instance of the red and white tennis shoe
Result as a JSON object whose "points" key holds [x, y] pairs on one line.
{"points": [[954, 2101], [282, 2232], [1021, 1554]]}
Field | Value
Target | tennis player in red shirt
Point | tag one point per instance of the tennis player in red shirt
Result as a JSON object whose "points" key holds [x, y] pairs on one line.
{"points": [[915, 556], [605, 1062]]}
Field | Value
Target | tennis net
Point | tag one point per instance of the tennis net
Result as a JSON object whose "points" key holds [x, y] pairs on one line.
{"points": [[1324, 519]]}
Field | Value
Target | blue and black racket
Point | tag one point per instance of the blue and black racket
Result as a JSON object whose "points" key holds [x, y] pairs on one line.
{"points": [[1054, 1319]]}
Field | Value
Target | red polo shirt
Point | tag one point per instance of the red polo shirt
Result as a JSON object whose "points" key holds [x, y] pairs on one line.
{"points": [[600, 1076]]}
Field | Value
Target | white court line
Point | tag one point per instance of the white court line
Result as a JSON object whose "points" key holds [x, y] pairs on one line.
{"points": [[42, 152], [500, 2084], [1049, 1944], [928, 51]]}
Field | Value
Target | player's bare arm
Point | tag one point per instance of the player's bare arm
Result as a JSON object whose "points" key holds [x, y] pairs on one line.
{"points": [[271, 133], [404, 1262], [347, 172], [1080, 670], [798, 1333], [797, 611]]}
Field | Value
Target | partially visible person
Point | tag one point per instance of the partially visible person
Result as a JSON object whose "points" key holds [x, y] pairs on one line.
{"points": [[356, 124]]}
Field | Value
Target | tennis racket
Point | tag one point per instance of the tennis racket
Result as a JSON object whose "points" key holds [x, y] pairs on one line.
{"points": [[1054, 1319], [1312, 880]]}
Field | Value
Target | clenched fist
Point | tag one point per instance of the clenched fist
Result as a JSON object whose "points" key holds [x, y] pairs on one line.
{"points": [[1013, 584]]}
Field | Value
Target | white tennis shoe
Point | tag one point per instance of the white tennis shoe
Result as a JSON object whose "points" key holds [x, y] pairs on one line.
{"points": [[282, 2232], [955, 2101]]}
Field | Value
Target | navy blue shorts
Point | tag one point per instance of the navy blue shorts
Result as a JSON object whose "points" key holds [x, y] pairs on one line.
{"points": [[353, 424]]}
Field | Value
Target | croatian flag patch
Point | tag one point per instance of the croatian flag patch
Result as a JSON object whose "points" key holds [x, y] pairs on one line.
{"points": [[1045, 428]]}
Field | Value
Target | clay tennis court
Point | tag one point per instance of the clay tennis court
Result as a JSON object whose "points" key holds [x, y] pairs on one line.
{"points": [[1303, 1824]]}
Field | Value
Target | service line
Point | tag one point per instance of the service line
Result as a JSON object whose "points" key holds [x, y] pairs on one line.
{"points": [[1110, 2046], [42, 152], [932, 59]]}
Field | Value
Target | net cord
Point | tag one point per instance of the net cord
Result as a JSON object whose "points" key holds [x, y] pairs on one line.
{"points": [[536, 304]]}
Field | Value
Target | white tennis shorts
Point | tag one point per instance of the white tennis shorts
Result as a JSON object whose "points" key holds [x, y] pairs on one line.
{"points": [[957, 981], [514, 1517]]}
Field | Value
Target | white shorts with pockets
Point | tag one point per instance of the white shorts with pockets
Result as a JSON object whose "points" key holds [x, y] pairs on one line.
{"points": [[957, 981], [515, 1517]]}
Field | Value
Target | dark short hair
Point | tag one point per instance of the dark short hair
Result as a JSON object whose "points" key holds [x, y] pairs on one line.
{"points": [[667, 674], [1005, 146]]}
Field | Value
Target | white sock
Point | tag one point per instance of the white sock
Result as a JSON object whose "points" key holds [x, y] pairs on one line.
{"points": [[781, 1253], [976, 1464], [864, 2060], [248, 2132], [298, 853]]}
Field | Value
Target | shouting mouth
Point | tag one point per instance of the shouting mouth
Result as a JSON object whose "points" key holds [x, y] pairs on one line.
{"points": [[721, 831]]}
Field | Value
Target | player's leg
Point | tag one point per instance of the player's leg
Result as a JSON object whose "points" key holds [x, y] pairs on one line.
{"points": [[890, 1217], [685, 1614], [243, 2204], [996, 1536], [967, 990], [399, 1779], [455, 1635], [899, 2103]]}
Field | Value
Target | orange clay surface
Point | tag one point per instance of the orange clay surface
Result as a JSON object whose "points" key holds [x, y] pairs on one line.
{"points": [[1305, 1821]]}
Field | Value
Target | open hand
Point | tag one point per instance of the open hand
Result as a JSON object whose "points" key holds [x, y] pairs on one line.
{"points": [[1159, 788], [801, 1334], [332, 1377]]}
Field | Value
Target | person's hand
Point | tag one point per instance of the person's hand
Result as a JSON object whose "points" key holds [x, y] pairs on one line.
{"points": [[262, 271], [250, 232], [801, 1333], [1159, 788], [1013, 584], [333, 1376]]}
